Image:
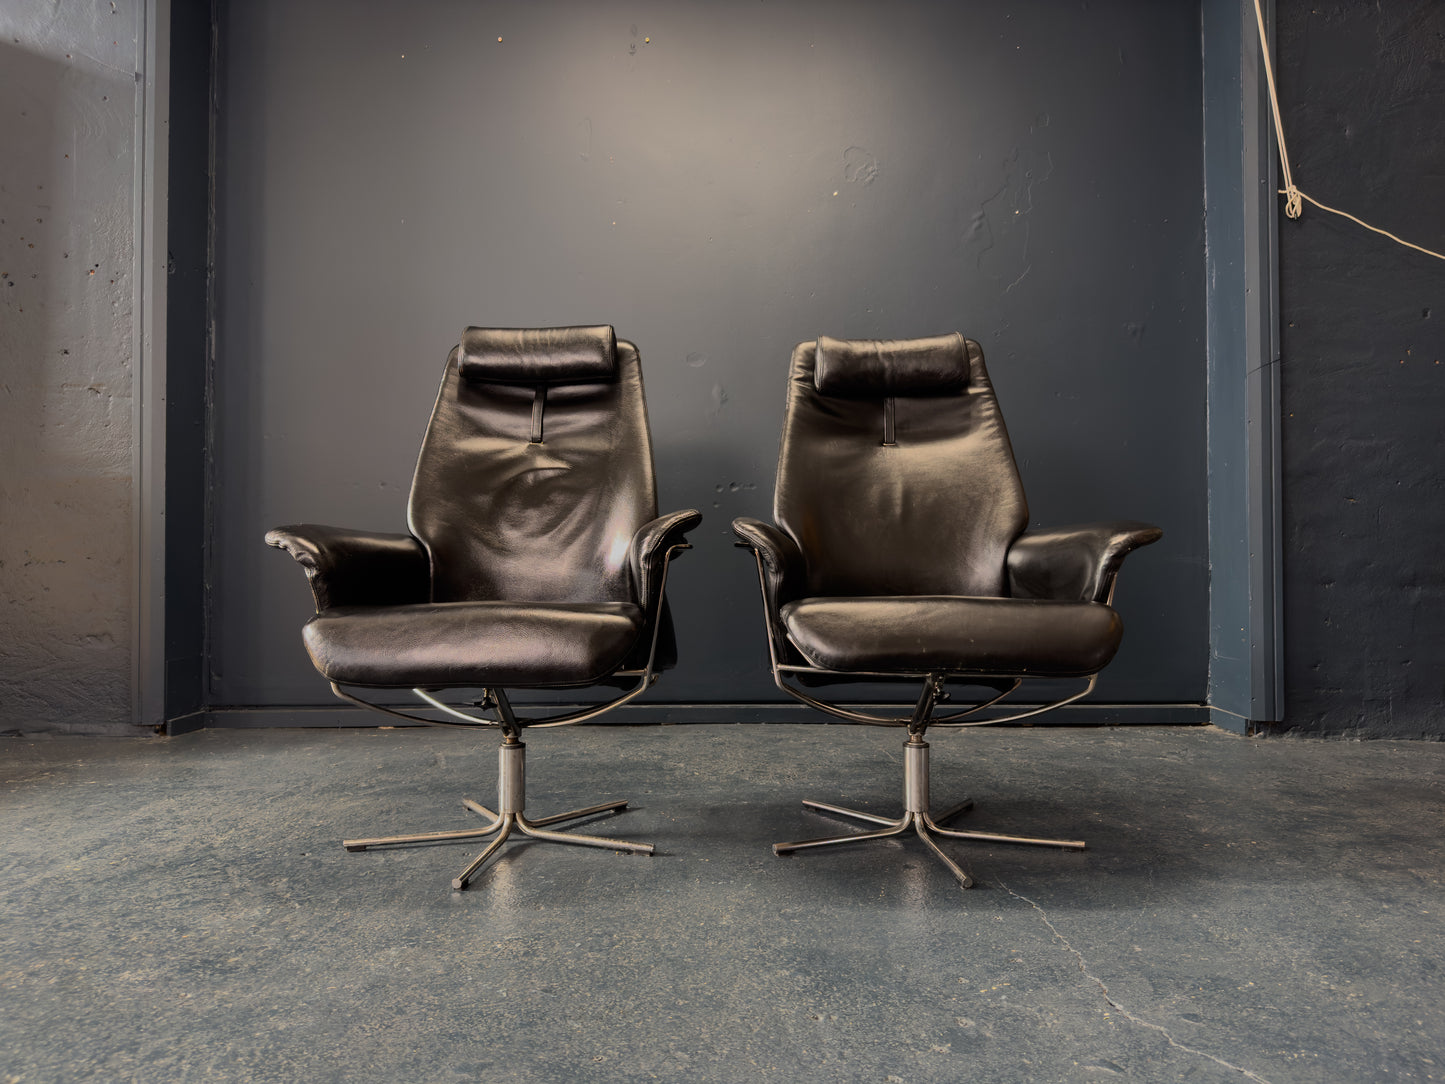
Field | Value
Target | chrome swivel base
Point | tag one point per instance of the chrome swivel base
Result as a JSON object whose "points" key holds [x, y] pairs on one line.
{"points": [[917, 817], [511, 798]]}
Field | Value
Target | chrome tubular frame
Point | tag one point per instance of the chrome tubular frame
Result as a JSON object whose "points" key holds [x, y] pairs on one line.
{"points": [[916, 815], [781, 669], [916, 812], [512, 761], [943, 720], [511, 801]]}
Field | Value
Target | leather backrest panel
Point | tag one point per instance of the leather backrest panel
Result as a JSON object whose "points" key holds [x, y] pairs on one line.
{"points": [[934, 514], [503, 519]]}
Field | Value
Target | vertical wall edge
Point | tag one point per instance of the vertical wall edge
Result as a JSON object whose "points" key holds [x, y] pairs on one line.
{"points": [[1264, 489], [149, 365], [1246, 635]]}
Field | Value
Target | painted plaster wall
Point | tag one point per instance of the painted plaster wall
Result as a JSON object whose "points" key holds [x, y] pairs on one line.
{"points": [[67, 128], [719, 181], [1363, 346]]}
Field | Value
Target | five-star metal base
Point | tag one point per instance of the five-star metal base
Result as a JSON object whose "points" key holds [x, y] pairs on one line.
{"points": [[511, 798], [917, 817]]}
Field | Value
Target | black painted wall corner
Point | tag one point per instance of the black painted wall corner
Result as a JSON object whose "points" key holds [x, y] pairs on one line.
{"points": [[1363, 342]]}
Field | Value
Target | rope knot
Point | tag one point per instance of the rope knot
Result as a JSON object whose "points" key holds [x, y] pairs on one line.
{"points": [[1293, 205]]}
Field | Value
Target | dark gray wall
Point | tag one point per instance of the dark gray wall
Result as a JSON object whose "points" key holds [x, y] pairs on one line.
{"points": [[719, 181], [188, 321], [1363, 344], [68, 100]]}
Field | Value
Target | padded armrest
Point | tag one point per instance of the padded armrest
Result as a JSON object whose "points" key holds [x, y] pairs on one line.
{"points": [[783, 568], [357, 568], [648, 552], [782, 560], [1078, 562]]}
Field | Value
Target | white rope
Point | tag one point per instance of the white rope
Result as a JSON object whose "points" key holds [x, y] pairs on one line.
{"points": [[1292, 194], [1293, 197]]}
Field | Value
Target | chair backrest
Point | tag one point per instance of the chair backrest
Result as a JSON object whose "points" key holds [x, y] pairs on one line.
{"points": [[536, 469], [896, 476]]}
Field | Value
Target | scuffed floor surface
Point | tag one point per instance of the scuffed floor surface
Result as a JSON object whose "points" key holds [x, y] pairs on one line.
{"points": [[181, 910]]}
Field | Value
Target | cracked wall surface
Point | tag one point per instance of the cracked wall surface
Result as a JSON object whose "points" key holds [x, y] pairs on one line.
{"points": [[68, 96]]}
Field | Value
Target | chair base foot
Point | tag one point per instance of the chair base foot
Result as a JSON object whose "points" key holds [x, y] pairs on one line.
{"points": [[926, 828], [503, 825], [510, 792], [916, 817]]}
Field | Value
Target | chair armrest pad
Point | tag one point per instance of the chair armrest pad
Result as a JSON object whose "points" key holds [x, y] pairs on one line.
{"points": [[782, 569], [781, 556], [649, 549], [1078, 562], [356, 568]]}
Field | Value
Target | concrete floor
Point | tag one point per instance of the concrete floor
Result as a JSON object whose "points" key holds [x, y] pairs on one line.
{"points": [[180, 910]]}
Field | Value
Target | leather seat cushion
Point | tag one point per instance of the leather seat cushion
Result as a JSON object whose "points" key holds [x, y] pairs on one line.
{"points": [[473, 643], [938, 633]]}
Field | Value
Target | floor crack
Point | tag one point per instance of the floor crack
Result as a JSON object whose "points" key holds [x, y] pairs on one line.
{"points": [[1115, 1005]]}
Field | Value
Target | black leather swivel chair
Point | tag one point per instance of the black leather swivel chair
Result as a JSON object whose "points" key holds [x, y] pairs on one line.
{"points": [[900, 552], [535, 559]]}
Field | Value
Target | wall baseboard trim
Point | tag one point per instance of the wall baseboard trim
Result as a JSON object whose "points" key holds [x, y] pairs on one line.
{"points": [[674, 714], [1236, 724]]}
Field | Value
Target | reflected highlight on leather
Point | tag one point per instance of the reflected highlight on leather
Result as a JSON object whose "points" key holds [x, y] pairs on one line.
{"points": [[536, 560], [541, 355], [879, 368], [487, 504], [946, 634], [530, 564], [912, 556], [537, 644], [900, 554], [933, 515]]}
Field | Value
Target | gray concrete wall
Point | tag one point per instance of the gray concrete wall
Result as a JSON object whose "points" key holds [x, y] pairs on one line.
{"points": [[67, 128], [1363, 347], [719, 181]]}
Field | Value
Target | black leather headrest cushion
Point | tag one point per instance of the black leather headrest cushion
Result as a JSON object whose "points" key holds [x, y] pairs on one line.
{"points": [[879, 368], [542, 355]]}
